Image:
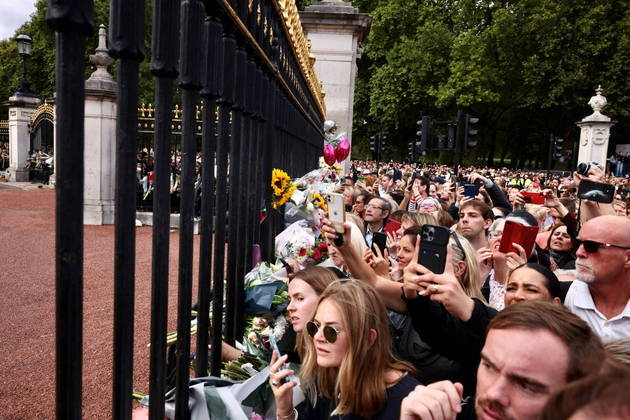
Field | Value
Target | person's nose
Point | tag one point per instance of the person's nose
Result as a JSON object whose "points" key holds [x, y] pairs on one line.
{"points": [[519, 295], [291, 307], [498, 391]]}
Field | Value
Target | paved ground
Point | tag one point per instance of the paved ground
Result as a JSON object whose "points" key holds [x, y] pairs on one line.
{"points": [[27, 312]]}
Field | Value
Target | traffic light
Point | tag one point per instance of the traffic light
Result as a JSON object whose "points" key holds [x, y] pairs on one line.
{"points": [[556, 148], [450, 137], [411, 146], [424, 133], [383, 142], [470, 131], [373, 144]]}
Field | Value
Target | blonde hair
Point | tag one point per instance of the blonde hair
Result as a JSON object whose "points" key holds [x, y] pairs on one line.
{"points": [[358, 385], [471, 279], [418, 219]]}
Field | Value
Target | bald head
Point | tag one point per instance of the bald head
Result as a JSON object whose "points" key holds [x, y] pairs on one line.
{"points": [[609, 229]]}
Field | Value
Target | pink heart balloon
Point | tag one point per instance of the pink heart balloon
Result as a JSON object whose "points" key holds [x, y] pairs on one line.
{"points": [[343, 150], [329, 154]]}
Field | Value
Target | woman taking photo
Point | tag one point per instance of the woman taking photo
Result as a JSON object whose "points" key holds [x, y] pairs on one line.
{"points": [[348, 369]]}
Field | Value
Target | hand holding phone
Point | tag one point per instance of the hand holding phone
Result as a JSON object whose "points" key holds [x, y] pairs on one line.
{"points": [[336, 211], [432, 255], [596, 191], [533, 198], [274, 347], [379, 239], [471, 190]]}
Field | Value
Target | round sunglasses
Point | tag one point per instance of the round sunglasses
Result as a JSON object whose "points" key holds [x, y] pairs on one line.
{"points": [[593, 246], [330, 333]]}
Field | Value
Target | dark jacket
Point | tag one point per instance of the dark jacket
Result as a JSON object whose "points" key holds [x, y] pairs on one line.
{"points": [[453, 338]]}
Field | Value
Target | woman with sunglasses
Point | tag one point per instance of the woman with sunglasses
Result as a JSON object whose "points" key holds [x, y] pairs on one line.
{"points": [[304, 291], [348, 369]]}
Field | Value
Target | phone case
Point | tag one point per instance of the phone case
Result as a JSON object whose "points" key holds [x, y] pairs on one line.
{"points": [[434, 240], [596, 191], [514, 232], [336, 211], [470, 190], [533, 198], [379, 239], [392, 226]]}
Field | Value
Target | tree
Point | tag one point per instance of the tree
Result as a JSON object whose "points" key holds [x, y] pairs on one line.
{"points": [[525, 68]]}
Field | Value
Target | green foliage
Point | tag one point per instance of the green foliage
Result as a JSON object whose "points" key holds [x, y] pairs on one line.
{"points": [[525, 68]]}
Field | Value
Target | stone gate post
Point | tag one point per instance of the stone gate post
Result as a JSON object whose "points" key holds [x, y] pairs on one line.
{"points": [[336, 30], [100, 139], [21, 108], [595, 132]]}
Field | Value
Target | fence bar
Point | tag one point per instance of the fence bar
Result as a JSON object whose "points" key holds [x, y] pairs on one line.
{"points": [[164, 66], [223, 146], [192, 16], [71, 25], [212, 81], [126, 44], [236, 205]]}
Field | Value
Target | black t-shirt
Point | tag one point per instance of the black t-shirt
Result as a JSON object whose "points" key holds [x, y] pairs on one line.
{"points": [[395, 394]]}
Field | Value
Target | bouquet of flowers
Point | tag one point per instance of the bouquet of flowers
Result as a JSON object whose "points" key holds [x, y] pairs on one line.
{"points": [[283, 187]]}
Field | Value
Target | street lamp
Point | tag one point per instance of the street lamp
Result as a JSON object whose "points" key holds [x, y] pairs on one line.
{"points": [[24, 43]]}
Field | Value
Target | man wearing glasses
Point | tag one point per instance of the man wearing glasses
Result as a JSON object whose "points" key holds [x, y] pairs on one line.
{"points": [[601, 296], [376, 213]]}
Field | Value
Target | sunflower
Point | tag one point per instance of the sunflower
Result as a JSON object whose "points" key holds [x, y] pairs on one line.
{"points": [[280, 180], [319, 202]]}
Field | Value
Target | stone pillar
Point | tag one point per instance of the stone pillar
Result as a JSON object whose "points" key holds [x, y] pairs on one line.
{"points": [[336, 30], [595, 132], [21, 108], [100, 139]]}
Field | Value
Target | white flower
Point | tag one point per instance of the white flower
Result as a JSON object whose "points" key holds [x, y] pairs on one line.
{"points": [[280, 327], [310, 208]]}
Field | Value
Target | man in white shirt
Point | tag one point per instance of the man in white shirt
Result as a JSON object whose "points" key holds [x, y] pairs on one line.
{"points": [[601, 294]]}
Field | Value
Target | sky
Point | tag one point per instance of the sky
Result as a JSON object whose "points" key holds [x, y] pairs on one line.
{"points": [[13, 13]]}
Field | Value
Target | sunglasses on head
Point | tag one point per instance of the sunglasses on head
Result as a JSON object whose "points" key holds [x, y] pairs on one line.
{"points": [[593, 246], [330, 333]]}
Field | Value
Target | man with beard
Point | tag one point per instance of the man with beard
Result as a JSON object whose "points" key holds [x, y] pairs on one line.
{"points": [[601, 294], [475, 217], [532, 349]]}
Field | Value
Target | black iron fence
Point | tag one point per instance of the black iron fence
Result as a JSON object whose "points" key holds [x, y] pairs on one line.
{"points": [[247, 62]]}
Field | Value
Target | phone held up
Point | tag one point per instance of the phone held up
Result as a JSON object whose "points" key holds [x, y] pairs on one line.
{"points": [[433, 242], [274, 347], [336, 211], [379, 239], [596, 191], [471, 190], [533, 198], [523, 235]]}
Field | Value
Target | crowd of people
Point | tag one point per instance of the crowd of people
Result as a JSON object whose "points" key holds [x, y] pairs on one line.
{"points": [[540, 331]]}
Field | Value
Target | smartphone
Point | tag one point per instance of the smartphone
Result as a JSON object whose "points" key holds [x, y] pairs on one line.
{"points": [[514, 232], [434, 240], [336, 211], [274, 347], [533, 198], [596, 191], [392, 226], [379, 239], [471, 190]]}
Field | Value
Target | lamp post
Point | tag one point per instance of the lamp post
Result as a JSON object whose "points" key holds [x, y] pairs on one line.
{"points": [[24, 43]]}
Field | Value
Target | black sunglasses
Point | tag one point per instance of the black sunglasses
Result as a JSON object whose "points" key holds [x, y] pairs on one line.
{"points": [[330, 333], [592, 246]]}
